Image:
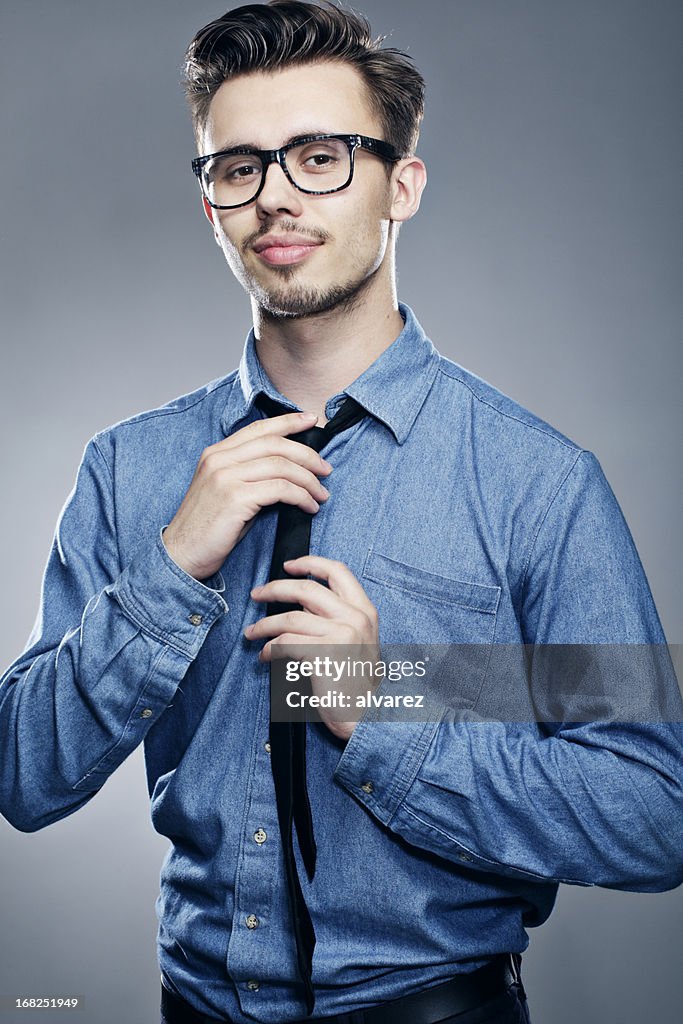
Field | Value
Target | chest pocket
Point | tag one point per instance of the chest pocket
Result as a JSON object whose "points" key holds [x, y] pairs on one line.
{"points": [[451, 620]]}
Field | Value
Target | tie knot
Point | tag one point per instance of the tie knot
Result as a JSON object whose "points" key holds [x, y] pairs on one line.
{"points": [[347, 415], [314, 437]]}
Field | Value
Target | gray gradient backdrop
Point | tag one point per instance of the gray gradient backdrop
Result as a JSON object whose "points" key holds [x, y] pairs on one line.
{"points": [[547, 258]]}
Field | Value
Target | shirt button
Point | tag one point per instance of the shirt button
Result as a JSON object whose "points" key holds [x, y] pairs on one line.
{"points": [[367, 787], [252, 921], [195, 619], [253, 986], [266, 747], [146, 713], [464, 856], [260, 836]]}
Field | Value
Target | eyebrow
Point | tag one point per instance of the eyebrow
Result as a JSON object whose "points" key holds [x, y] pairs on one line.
{"points": [[230, 144]]}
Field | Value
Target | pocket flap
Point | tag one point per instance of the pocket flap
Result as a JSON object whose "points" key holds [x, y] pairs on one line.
{"points": [[476, 596]]}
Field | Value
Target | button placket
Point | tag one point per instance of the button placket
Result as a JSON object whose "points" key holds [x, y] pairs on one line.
{"points": [[252, 929]]}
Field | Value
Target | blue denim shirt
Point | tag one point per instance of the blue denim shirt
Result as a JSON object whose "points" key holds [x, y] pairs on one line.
{"points": [[467, 520]]}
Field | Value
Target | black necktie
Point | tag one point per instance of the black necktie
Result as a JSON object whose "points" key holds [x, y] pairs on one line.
{"points": [[288, 739]]}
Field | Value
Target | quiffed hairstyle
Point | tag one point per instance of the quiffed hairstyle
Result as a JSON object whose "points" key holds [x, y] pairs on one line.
{"points": [[285, 33]]}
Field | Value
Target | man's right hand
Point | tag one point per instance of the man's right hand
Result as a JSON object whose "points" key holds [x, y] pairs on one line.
{"points": [[234, 479]]}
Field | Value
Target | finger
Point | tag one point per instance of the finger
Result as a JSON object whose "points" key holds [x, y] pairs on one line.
{"points": [[215, 457], [276, 467], [284, 447], [289, 645], [312, 596], [338, 577], [288, 423], [298, 622], [269, 492]]}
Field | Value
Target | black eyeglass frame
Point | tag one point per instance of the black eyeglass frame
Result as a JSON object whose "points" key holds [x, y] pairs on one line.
{"points": [[384, 150]]}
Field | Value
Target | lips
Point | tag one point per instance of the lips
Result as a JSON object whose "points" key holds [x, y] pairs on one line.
{"points": [[279, 250]]}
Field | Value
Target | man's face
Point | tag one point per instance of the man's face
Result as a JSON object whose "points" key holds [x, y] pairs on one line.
{"points": [[342, 236]]}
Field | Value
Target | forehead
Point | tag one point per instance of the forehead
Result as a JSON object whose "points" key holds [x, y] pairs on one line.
{"points": [[265, 109]]}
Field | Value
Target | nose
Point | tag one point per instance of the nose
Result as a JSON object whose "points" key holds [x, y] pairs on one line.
{"points": [[278, 195]]}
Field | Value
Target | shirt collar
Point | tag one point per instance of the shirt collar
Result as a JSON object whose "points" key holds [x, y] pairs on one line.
{"points": [[392, 388]]}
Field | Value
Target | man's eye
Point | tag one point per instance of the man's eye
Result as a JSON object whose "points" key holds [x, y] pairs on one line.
{"points": [[322, 160], [241, 171], [237, 171]]}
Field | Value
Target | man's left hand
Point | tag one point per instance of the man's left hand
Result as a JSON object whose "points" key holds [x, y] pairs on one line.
{"points": [[340, 613]]}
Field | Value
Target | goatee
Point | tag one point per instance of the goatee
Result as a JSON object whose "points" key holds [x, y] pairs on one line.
{"points": [[299, 301]]}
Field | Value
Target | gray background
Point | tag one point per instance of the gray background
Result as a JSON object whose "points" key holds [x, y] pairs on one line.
{"points": [[547, 258]]}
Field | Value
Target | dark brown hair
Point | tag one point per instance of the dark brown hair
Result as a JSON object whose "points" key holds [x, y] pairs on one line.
{"points": [[284, 33]]}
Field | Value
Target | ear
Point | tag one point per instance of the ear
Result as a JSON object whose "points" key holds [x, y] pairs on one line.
{"points": [[208, 210], [407, 181]]}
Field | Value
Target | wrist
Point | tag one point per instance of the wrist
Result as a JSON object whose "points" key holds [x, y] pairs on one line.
{"points": [[176, 555]]}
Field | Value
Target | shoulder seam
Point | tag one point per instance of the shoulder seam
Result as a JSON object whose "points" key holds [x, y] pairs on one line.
{"points": [[501, 412], [169, 409], [102, 457], [110, 475], [543, 518]]}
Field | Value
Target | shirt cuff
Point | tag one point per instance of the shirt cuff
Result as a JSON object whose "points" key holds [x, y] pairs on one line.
{"points": [[382, 758], [167, 603]]}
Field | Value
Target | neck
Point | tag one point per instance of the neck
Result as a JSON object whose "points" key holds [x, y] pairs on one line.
{"points": [[311, 358]]}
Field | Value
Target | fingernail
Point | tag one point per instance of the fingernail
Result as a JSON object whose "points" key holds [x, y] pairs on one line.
{"points": [[325, 495], [325, 464], [307, 416]]}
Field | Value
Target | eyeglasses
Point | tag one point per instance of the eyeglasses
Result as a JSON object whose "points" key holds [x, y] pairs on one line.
{"points": [[314, 164]]}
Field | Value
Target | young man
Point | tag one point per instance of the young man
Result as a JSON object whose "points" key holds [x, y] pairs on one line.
{"points": [[443, 514]]}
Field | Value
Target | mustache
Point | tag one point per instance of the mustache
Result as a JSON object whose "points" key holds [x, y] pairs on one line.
{"points": [[284, 227]]}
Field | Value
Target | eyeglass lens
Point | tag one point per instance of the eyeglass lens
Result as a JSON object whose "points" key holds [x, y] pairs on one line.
{"points": [[314, 166]]}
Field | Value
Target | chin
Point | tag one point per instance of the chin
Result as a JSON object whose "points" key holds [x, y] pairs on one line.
{"points": [[297, 300]]}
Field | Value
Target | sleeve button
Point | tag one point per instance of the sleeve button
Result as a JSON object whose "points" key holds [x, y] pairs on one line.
{"points": [[367, 787]]}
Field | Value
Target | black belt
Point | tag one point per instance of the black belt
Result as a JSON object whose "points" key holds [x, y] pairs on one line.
{"points": [[460, 994]]}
